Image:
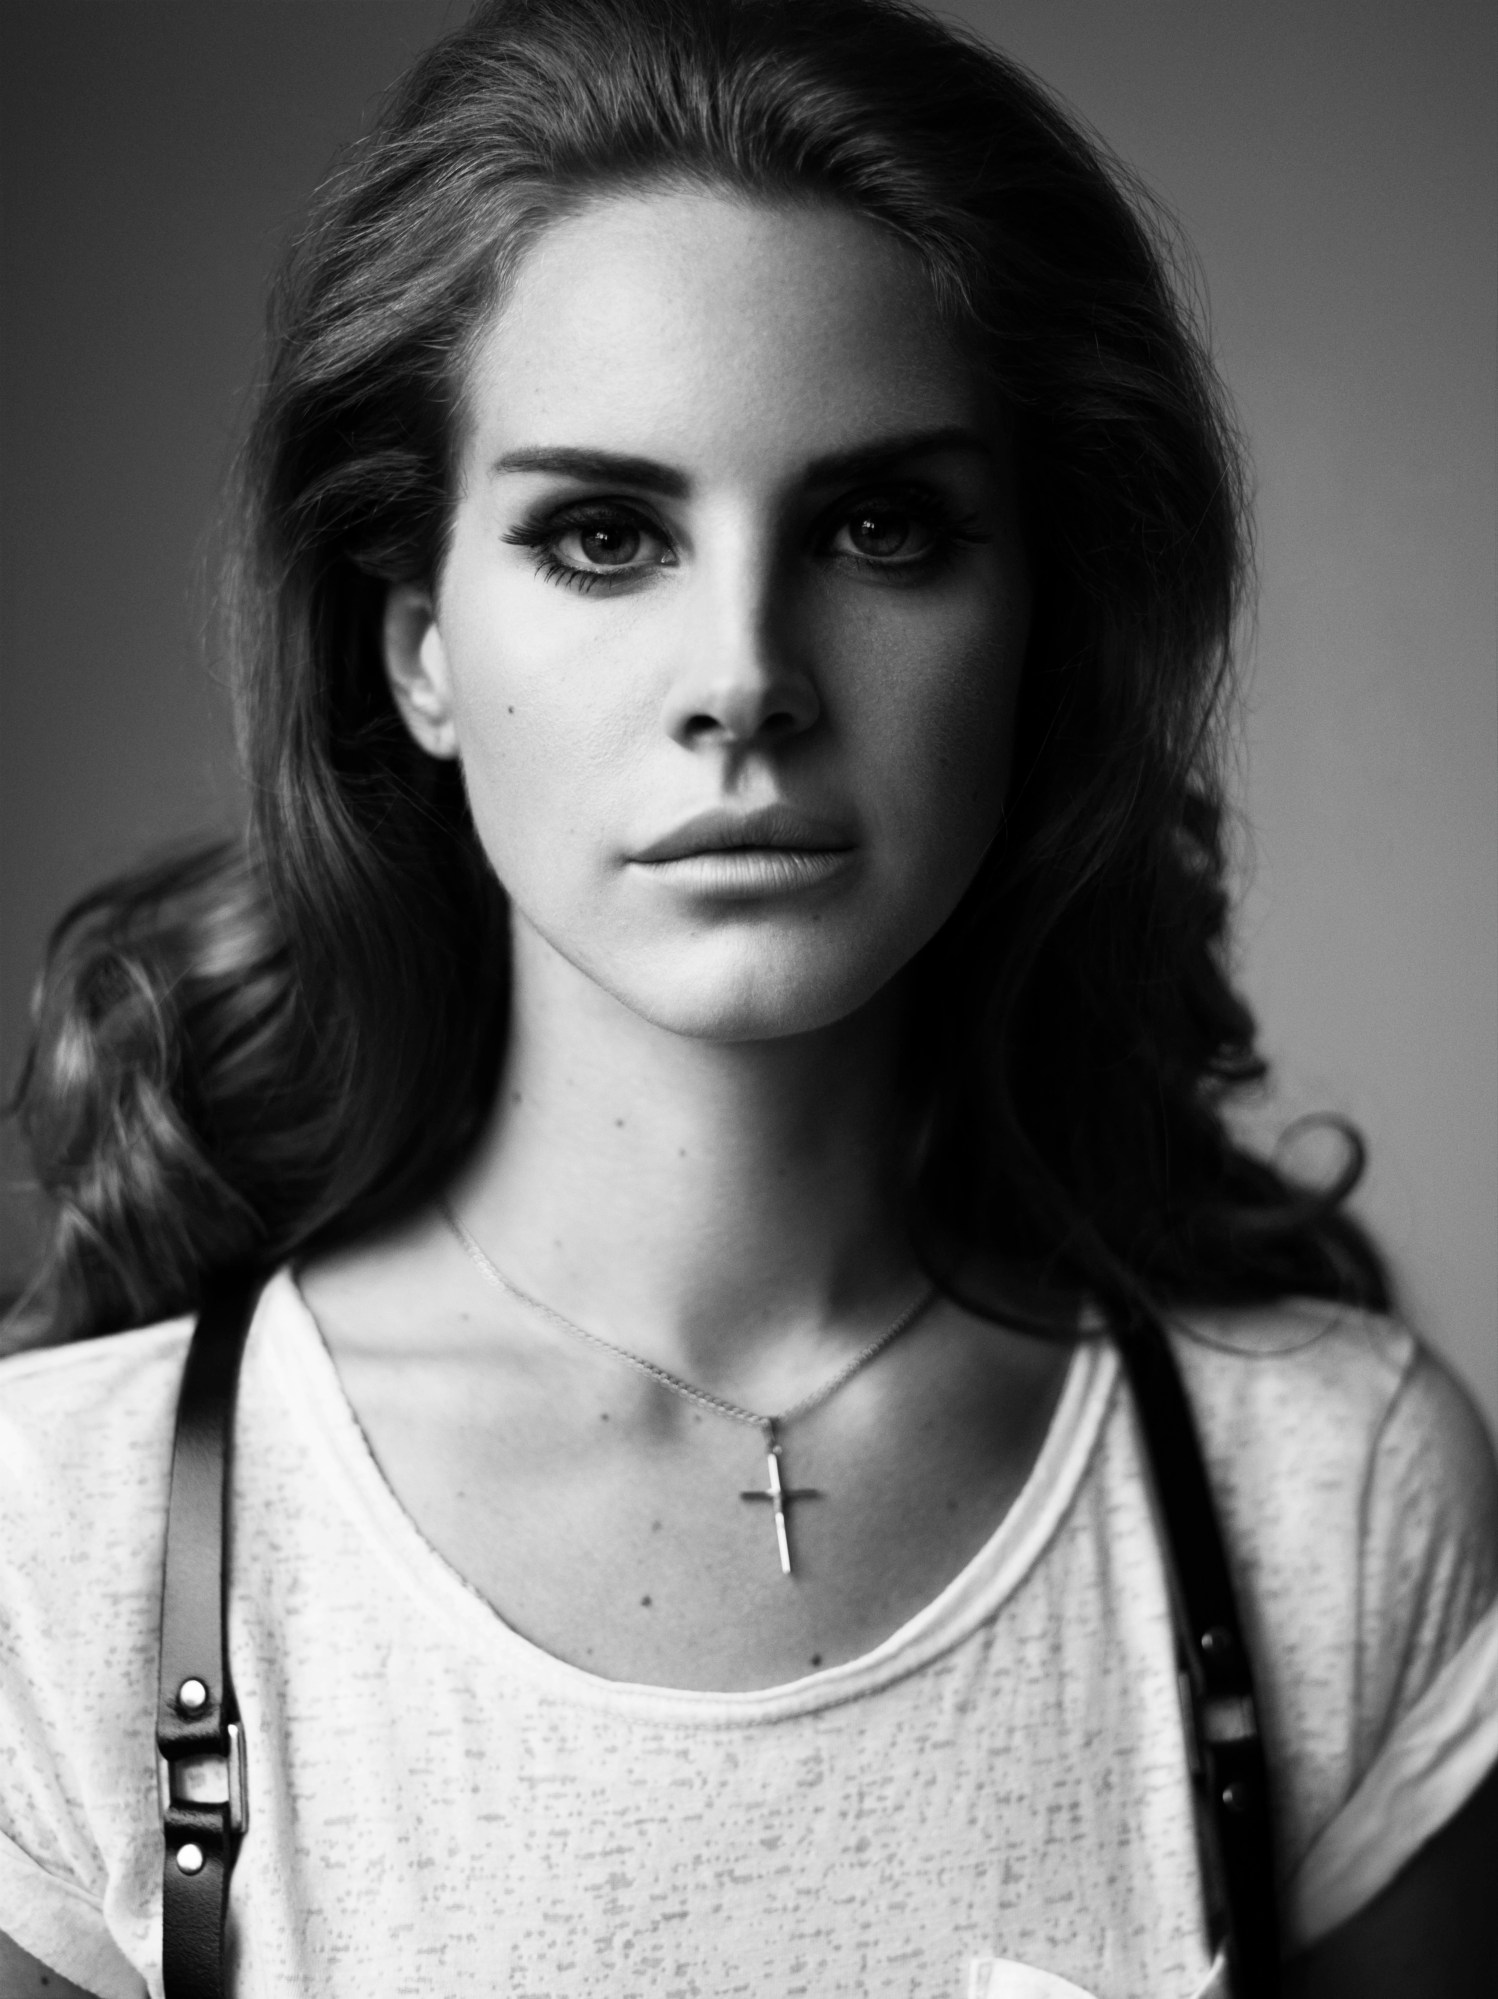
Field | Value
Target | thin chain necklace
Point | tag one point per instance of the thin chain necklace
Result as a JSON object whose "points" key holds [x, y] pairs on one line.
{"points": [[775, 1494]]}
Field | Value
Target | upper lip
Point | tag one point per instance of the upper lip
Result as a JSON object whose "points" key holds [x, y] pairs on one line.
{"points": [[721, 831]]}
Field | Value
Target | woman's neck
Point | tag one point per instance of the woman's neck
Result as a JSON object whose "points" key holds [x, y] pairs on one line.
{"points": [[725, 1209]]}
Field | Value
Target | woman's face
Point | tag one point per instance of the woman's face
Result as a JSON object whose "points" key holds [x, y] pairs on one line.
{"points": [[731, 623]]}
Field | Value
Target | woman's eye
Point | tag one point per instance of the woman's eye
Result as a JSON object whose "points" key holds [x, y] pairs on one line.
{"points": [[593, 550], [601, 545], [885, 534]]}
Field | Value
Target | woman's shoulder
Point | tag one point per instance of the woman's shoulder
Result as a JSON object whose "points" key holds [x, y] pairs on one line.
{"points": [[85, 1435], [1346, 1456], [1308, 1398], [1339, 1354], [47, 1371], [114, 1376], [85, 1464], [1359, 1500]]}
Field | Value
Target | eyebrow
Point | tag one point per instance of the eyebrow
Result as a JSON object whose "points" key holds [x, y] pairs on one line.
{"points": [[572, 463], [648, 475]]}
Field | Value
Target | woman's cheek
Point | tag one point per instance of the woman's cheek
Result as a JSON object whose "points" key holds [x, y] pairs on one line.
{"points": [[939, 735], [541, 742]]}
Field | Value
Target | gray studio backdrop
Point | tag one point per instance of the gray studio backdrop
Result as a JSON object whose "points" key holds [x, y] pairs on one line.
{"points": [[1334, 163]]}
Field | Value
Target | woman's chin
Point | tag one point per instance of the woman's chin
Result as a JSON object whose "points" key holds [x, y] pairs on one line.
{"points": [[767, 1001], [750, 979]]}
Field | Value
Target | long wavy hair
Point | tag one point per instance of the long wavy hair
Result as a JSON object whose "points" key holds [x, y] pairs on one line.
{"points": [[270, 1043]]}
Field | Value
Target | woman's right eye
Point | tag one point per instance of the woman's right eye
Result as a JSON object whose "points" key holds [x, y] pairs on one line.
{"points": [[607, 545], [582, 550]]}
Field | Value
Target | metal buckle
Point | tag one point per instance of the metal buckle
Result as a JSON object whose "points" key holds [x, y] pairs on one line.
{"points": [[1229, 1718], [208, 1780]]}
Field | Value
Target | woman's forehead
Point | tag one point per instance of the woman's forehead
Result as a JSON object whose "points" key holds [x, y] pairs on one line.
{"points": [[713, 332]]}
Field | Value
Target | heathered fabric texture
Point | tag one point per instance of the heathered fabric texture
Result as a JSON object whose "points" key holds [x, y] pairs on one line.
{"points": [[993, 1802]]}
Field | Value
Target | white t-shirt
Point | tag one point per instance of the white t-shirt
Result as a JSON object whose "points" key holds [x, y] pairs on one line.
{"points": [[993, 1804]]}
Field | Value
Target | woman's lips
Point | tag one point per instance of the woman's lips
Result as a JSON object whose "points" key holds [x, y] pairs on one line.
{"points": [[752, 871], [773, 850], [767, 826]]}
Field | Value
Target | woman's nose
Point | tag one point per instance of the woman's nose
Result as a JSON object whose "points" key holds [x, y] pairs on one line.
{"points": [[742, 677]]}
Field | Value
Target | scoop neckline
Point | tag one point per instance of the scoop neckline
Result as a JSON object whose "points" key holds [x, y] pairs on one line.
{"points": [[287, 1337]]}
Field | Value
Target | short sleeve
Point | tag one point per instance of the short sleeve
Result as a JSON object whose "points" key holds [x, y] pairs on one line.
{"points": [[62, 1926], [1426, 1685], [83, 1437]]}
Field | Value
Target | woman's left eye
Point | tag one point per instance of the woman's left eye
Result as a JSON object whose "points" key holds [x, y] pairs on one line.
{"points": [[885, 535]]}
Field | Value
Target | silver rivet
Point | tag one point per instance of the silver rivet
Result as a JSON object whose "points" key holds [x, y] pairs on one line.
{"points": [[192, 1695], [1217, 1643], [190, 1858], [1235, 1797]]}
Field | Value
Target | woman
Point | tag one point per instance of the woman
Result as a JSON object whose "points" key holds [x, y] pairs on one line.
{"points": [[740, 557]]}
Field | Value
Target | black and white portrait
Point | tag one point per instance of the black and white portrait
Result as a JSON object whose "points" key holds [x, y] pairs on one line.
{"points": [[749, 983]]}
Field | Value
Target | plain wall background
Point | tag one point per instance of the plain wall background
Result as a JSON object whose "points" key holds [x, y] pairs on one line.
{"points": [[1334, 163]]}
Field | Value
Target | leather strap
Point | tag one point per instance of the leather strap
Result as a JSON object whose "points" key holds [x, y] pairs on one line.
{"points": [[1223, 1741], [201, 1750]]}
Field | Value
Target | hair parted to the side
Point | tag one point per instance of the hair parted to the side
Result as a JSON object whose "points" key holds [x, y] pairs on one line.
{"points": [[264, 1045]]}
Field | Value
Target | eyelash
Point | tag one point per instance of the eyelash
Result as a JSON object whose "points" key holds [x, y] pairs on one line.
{"points": [[948, 532]]}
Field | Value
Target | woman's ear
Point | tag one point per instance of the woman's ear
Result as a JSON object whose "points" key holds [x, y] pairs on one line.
{"points": [[416, 667]]}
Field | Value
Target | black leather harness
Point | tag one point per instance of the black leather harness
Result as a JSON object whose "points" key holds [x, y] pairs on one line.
{"points": [[201, 1747]]}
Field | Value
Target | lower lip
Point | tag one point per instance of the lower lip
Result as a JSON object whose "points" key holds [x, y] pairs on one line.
{"points": [[748, 872]]}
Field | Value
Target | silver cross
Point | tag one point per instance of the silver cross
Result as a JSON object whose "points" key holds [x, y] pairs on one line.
{"points": [[779, 1497]]}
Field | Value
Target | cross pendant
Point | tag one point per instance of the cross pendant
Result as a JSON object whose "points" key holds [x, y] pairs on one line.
{"points": [[778, 1496]]}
